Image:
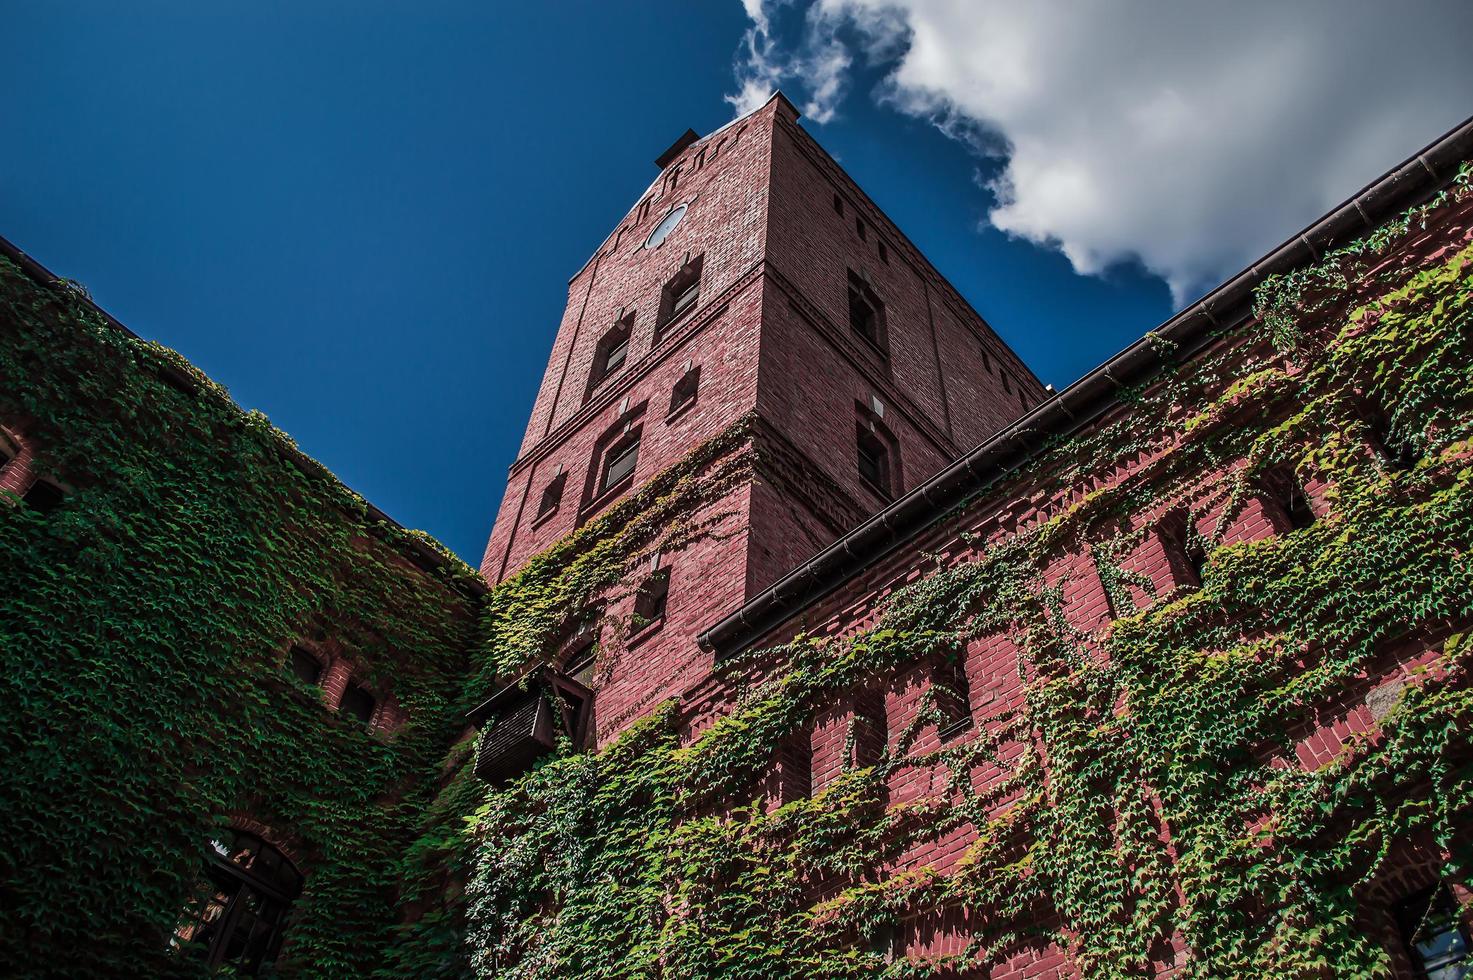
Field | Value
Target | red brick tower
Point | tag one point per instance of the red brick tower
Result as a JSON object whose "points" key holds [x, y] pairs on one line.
{"points": [[753, 276]]}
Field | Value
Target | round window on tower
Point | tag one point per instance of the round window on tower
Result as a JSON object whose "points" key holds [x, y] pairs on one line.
{"points": [[665, 227]]}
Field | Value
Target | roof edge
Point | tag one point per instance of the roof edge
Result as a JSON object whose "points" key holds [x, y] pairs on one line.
{"points": [[419, 552], [1418, 177]]}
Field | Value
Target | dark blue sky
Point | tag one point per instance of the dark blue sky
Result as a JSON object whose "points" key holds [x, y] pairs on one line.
{"points": [[361, 217]]}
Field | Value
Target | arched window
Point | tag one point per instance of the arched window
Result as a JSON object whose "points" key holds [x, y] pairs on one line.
{"points": [[1436, 939], [240, 906]]}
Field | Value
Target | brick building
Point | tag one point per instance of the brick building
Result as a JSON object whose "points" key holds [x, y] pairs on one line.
{"points": [[814, 638], [898, 443]]}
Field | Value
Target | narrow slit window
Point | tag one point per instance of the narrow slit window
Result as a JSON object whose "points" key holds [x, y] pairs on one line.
{"points": [[619, 464], [866, 313], [1395, 449], [874, 460], [884, 254], [953, 696], [1288, 493], [1186, 553], [612, 351], [358, 703], [838, 205], [859, 227]]}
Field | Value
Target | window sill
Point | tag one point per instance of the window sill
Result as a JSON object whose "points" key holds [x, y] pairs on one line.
{"points": [[644, 633], [593, 388], [680, 410], [604, 499], [543, 518], [952, 729], [871, 345], [876, 489], [664, 329]]}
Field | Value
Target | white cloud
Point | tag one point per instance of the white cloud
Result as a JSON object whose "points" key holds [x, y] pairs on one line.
{"points": [[818, 67], [1189, 136]]}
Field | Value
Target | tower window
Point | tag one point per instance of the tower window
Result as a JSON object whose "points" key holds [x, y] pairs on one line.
{"points": [[306, 666], [650, 603], [859, 227], [838, 205], [884, 253], [619, 463], [874, 461], [681, 295], [1439, 946], [866, 313], [552, 495], [685, 390], [358, 703], [43, 497], [612, 351]]}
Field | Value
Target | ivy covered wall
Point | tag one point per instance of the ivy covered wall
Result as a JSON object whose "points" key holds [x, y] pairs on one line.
{"points": [[1141, 799], [1231, 774], [145, 697]]}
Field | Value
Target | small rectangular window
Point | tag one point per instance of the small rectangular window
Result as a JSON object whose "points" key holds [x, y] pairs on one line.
{"points": [[650, 603], [838, 205], [681, 295], [685, 390], [884, 254], [611, 352], [358, 703], [874, 461], [866, 313], [859, 227], [614, 359], [953, 696], [43, 497], [307, 667], [552, 495], [619, 464]]}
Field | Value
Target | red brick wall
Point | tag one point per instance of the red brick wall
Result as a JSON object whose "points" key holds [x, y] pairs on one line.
{"points": [[770, 334]]}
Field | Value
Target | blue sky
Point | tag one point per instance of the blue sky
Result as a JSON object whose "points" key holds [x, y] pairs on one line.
{"points": [[361, 217]]}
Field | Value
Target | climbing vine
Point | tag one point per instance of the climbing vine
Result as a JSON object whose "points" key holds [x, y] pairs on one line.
{"points": [[1144, 794], [1145, 791], [145, 701]]}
